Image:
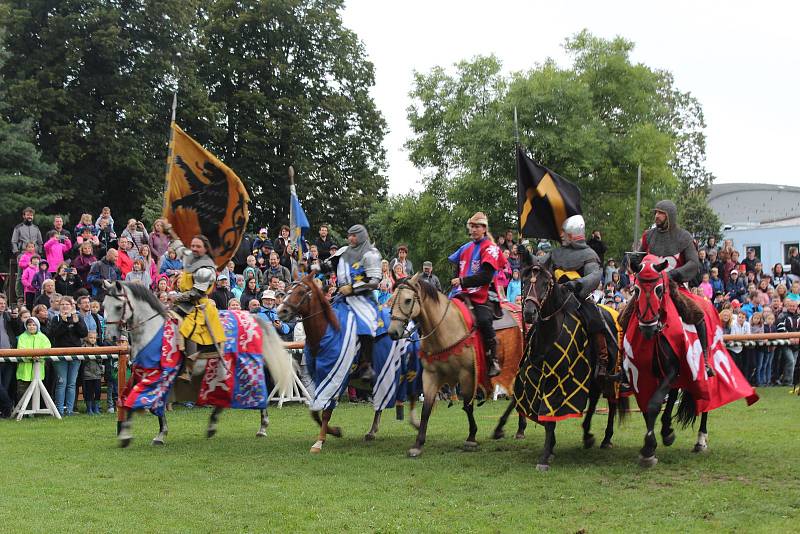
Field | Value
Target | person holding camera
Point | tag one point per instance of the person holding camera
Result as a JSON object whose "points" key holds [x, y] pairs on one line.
{"points": [[56, 248], [67, 329], [67, 280], [136, 233]]}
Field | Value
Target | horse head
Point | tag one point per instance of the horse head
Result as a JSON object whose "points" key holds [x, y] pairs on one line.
{"points": [[406, 306], [540, 281], [650, 286], [116, 308], [298, 300]]}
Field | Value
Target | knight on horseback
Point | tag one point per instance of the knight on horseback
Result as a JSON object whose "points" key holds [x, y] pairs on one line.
{"points": [[672, 243], [577, 267], [358, 273], [476, 262], [200, 326]]}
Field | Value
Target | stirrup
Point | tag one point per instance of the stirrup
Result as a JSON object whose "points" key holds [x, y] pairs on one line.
{"points": [[494, 368]]}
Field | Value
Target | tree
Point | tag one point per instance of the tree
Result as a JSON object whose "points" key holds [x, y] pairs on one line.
{"points": [[289, 85], [593, 122], [697, 216], [23, 174]]}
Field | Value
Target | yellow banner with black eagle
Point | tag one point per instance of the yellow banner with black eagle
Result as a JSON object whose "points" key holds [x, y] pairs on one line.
{"points": [[204, 196], [544, 199]]}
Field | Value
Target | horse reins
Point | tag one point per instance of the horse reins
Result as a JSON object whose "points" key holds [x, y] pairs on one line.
{"points": [[295, 308], [122, 322], [417, 300], [539, 302]]}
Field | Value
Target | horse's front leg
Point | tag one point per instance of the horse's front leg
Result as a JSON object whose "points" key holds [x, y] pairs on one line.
{"points": [[262, 430], [667, 432], [547, 455], [702, 434], [612, 412], [162, 430], [430, 388], [212, 422], [647, 454], [499, 433], [470, 444], [588, 437], [324, 430], [413, 420], [125, 435], [376, 421], [522, 424]]}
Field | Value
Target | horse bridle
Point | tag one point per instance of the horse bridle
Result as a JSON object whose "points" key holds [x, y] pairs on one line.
{"points": [[295, 308], [639, 315], [124, 323], [531, 293], [405, 320]]}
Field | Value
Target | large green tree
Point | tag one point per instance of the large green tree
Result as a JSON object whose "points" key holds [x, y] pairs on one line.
{"points": [[263, 85], [593, 121]]}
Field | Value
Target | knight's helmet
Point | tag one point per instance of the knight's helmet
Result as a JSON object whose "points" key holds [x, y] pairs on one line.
{"points": [[575, 228]]}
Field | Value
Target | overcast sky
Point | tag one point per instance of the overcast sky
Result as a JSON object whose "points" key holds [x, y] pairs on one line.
{"points": [[740, 59]]}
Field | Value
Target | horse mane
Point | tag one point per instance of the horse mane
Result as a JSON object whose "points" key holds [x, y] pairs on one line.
{"points": [[428, 290], [143, 293], [327, 309]]}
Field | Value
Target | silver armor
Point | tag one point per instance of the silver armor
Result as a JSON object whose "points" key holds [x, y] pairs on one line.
{"points": [[578, 257], [203, 271]]}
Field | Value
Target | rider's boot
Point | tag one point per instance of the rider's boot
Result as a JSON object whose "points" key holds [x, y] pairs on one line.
{"points": [[364, 369], [492, 366], [601, 353], [189, 357]]}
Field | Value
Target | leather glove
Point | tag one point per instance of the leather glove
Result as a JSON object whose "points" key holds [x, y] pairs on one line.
{"points": [[346, 291], [183, 297], [573, 285]]}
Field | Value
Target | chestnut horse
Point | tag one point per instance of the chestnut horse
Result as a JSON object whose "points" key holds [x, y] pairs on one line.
{"points": [[306, 301]]}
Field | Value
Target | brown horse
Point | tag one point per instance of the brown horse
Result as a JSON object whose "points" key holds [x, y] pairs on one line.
{"points": [[306, 301], [443, 332]]}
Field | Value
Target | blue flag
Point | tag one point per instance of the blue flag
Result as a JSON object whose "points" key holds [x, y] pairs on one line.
{"points": [[298, 223]]}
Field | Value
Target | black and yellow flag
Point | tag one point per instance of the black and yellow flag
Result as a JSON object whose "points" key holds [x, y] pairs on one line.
{"points": [[204, 197], [544, 199]]}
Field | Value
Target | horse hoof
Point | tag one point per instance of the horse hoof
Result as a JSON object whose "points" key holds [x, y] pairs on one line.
{"points": [[316, 448], [470, 446], [498, 434], [124, 442], [158, 442], [699, 447], [335, 431], [369, 437], [588, 441], [669, 439], [542, 467], [551, 458], [211, 432], [519, 435], [414, 452], [648, 462], [261, 434], [606, 445]]}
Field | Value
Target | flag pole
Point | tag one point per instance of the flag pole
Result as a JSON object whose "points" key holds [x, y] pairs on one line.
{"points": [[516, 163], [170, 149], [636, 214]]}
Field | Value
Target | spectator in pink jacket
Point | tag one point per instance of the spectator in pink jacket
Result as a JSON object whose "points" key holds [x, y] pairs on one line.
{"points": [[27, 280], [25, 257], [55, 248]]}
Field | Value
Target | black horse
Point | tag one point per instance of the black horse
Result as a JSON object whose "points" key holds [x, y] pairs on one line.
{"points": [[558, 369]]}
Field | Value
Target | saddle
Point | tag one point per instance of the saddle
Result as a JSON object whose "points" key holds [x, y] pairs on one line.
{"points": [[503, 316]]}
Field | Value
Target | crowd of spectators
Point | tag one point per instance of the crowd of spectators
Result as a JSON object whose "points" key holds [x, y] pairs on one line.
{"points": [[60, 287]]}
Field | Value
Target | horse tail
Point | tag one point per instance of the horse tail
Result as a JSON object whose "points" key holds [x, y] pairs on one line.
{"points": [[278, 360], [623, 409], [687, 409]]}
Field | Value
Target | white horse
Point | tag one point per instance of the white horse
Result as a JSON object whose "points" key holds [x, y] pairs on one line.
{"points": [[133, 308]]}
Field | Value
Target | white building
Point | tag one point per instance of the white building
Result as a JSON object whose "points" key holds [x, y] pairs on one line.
{"points": [[762, 216]]}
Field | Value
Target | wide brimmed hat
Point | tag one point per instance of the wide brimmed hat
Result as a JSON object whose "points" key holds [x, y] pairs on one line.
{"points": [[479, 218]]}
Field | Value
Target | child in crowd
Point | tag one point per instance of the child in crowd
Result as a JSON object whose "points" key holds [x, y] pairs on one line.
{"points": [[514, 286], [56, 248], [30, 272], [252, 271], [138, 274], [31, 338], [92, 374], [25, 257], [41, 275], [706, 288], [105, 217], [739, 325], [769, 327], [170, 264]]}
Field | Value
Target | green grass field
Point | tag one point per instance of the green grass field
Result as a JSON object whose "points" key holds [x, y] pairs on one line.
{"points": [[70, 476]]}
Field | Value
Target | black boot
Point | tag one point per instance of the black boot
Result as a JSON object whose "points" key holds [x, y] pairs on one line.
{"points": [[364, 369], [491, 357], [601, 353]]}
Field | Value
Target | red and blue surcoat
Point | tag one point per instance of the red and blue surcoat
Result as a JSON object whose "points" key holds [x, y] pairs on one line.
{"points": [[469, 258]]}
